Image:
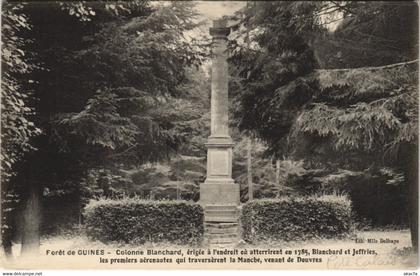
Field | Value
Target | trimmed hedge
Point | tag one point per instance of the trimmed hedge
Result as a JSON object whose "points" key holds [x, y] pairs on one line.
{"points": [[298, 218], [138, 221]]}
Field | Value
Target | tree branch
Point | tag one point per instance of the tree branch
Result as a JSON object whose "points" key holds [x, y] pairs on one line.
{"points": [[370, 68]]}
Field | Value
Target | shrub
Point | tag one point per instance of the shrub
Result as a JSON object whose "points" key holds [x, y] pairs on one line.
{"points": [[133, 220], [296, 218]]}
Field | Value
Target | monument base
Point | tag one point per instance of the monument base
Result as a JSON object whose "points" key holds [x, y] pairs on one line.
{"points": [[219, 193]]}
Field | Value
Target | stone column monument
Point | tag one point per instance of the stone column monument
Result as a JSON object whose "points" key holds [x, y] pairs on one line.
{"points": [[219, 187]]}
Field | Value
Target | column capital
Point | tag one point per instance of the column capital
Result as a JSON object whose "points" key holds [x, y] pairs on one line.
{"points": [[220, 29]]}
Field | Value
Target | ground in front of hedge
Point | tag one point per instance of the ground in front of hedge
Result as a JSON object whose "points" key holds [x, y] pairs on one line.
{"points": [[389, 255]]}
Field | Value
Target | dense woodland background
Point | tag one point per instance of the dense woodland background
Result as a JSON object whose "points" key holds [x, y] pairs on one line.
{"points": [[111, 99]]}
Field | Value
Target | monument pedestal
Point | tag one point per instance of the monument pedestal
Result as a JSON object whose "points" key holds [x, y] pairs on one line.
{"points": [[219, 187], [223, 194]]}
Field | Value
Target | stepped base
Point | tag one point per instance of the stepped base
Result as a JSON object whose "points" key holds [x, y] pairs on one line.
{"points": [[221, 225]]}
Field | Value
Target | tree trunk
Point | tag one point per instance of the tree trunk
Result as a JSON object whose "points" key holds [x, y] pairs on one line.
{"points": [[249, 170], [178, 196], [414, 216], [278, 176], [409, 164], [6, 221], [31, 221]]}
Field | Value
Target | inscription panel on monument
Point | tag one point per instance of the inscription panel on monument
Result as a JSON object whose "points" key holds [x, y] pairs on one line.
{"points": [[219, 162]]}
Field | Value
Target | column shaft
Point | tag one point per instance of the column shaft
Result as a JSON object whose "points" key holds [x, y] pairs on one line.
{"points": [[219, 89]]}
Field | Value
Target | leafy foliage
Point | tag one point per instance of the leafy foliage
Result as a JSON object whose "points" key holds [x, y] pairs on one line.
{"points": [[363, 111], [345, 102], [346, 125], [114, 84], [109, 98], [17, 109], [369, 34], [269, 88], [140, 63], [137, 221]]}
